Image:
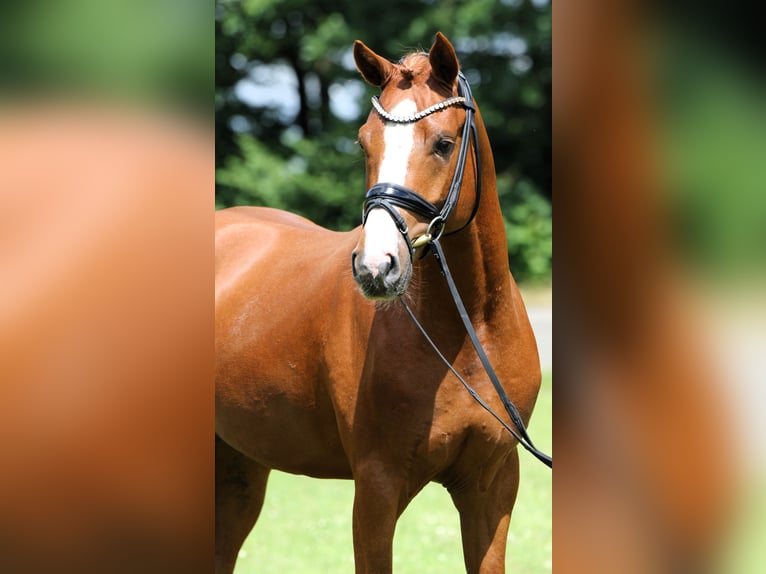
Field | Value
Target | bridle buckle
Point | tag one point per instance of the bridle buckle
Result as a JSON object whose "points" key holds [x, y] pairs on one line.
{"points": [[433, 232]]}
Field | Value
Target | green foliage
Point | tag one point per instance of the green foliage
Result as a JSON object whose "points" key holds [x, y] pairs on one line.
{"points": [[292, 147], [714, 124], [529, 229], [118, 50], [306, 182]]}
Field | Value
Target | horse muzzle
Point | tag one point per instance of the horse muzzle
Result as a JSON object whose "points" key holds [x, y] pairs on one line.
{"points": [[381, 261], [380, 277]]}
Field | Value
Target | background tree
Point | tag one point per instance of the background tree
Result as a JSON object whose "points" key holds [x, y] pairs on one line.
{"points": [[289, 102]]}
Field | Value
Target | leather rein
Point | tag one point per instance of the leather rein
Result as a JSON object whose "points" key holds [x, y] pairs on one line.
{"points": [[389, 196]]}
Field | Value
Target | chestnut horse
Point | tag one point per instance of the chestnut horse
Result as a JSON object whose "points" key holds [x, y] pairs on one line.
{"points": [[320, 372]]}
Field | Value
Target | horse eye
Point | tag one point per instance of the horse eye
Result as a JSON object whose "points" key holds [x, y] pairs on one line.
{"points": [[443, 147]]}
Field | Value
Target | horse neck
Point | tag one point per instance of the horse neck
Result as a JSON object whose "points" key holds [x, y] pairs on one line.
{"points": [[477, 255]]}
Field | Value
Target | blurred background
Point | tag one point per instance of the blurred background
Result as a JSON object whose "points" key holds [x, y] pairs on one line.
{"points": [[289, 102], [106, 286], [660, 298]]}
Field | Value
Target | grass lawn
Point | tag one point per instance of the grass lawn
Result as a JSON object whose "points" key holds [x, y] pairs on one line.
{"points": [[305, 525]]}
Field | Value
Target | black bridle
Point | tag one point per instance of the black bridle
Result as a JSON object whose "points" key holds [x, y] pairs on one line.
{"points": [[389, 196]]}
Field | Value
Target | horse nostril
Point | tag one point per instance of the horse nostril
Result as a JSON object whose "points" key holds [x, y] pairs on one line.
{"points": [[384, 267], [389, 267], [394, 264]]}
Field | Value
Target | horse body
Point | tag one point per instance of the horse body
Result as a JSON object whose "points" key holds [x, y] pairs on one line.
{"points": [[267, 385], [314, 378]]}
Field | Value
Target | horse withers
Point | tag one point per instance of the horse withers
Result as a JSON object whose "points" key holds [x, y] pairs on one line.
{"points": [[320, 371]]}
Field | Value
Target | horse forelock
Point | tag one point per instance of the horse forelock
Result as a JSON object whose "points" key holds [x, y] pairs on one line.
{"points": [[413, 65], [414, 70]]}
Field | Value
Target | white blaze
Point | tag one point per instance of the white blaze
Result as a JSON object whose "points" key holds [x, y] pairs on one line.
{"points": [[381, 233], [398, 139]]}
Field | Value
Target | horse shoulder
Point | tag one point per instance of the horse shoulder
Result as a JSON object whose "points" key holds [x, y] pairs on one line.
{"points": [[272, 267]]}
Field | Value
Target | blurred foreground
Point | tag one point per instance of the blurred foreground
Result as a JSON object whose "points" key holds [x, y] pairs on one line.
{"points": [[105, 341], [659, 290], [106, 201]]}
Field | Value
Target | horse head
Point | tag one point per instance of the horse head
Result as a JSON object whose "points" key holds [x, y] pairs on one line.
{"points": [[415, 141]]}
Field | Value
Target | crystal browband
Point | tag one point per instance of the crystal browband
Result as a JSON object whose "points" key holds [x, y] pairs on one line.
{"points": [[457, 100]]}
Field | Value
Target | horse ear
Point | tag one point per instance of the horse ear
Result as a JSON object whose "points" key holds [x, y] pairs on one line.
{"points": [[375, 69], [443, 58]]}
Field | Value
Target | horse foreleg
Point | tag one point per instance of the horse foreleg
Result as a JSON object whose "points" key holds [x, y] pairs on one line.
{"points": [[378, 502], [485, 503], [240, 486]]}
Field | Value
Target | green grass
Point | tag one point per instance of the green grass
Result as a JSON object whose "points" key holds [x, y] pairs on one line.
{"points": [[305, 525]]}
